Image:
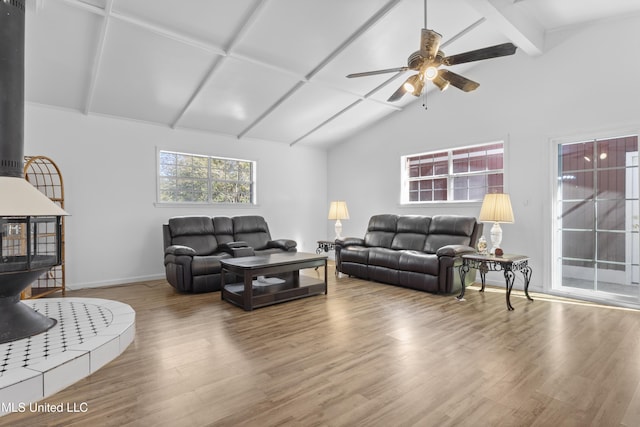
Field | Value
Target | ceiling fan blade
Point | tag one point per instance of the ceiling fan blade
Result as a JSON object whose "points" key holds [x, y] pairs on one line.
{"points": [[376, 72], [458, 81], [399, 93], [496, 51], [430, 43]]}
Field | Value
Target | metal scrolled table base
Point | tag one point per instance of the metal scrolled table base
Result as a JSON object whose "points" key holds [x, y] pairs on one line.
{"points": [[509, 264]]}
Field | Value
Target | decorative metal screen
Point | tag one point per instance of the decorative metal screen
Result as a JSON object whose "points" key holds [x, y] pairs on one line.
{"points": [[45, 175]]}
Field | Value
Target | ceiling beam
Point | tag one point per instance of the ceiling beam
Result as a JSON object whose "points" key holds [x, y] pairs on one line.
{"points": [[165, 32], [355, 36], [352, 38], [465, 31], [339, 113], [97, 58], [524, 31], [366, 97], [141, 23], [226, 52], [85, 6], [240, 32], [269, 110]]}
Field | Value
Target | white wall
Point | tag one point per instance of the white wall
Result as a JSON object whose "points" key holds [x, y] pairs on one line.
{"points": [[587, 81], [108, 165]]}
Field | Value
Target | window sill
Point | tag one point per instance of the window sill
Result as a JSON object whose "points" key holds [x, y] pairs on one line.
{"points": [[206, 205], [441, 203]]}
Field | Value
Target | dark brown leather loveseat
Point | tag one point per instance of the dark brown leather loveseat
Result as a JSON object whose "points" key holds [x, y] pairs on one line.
{"points": [[417, 252], [194, 246]]}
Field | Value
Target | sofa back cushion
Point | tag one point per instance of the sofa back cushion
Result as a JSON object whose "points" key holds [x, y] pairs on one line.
{"points": [[411, 232], [223, 227], [449, 230], [381, 230], [194, 231], [252, 229]]}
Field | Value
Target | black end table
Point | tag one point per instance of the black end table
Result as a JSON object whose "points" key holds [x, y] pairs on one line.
{"points": [[325, 246], [509, 264]]}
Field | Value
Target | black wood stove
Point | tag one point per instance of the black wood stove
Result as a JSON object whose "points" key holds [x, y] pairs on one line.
{"points": [[30, 223]]}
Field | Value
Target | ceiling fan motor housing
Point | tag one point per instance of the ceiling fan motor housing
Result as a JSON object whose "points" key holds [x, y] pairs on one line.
{"points": [[430, 42], [416, 59]]}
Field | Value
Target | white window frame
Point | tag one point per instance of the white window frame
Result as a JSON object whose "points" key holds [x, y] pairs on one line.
{"points": [[210, 180], [449, 176]]}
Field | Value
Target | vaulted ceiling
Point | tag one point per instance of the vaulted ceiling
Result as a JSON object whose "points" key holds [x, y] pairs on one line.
{"points": [[265, 69]]}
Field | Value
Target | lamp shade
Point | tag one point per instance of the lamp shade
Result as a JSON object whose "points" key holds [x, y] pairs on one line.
{"points": [[496, 207], [338, 210]]}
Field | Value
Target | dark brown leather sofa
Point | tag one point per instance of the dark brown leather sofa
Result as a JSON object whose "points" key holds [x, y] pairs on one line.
{"points": [[194, 246], [417, 252]]}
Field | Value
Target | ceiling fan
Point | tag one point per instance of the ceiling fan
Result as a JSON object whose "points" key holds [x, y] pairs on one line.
{"points": [[429, 58]]}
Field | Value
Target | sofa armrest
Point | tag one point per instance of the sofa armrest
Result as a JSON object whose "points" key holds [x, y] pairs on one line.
{"points": [[284, 244], [179, 250], [349, 241], [454, 250]]}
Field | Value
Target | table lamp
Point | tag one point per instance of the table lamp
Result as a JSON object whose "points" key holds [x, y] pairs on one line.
{"points": [[496, 208], [338, 210]]}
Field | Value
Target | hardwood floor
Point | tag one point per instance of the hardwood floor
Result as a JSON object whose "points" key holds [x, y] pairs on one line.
{"points": [[367, 354]]}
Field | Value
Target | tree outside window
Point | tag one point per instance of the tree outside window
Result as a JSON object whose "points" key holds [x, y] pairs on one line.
{"points": [[190, 178]]}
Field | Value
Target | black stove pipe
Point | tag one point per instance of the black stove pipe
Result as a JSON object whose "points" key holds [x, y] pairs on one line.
{"points": [[12, 20]]}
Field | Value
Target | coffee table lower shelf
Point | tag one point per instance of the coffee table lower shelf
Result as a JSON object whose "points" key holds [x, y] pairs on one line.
{"points": [[271, 279], [273, 294]]}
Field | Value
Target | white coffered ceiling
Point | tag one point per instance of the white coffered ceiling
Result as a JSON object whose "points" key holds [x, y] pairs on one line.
{"points": [[264, 69]]}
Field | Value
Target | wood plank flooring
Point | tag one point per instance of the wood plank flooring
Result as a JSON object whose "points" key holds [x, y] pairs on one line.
{"points": [[366, 354]]}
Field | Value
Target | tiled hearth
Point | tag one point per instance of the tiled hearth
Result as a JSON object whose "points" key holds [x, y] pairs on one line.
{"points": [[89, 333]]}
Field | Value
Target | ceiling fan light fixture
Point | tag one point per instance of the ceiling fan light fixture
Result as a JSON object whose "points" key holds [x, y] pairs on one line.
{"points": [[414, 85], [408, 86], [418, 90], [431, 72], [441, 83]]}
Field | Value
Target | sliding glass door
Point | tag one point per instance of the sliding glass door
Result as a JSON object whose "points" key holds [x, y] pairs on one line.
{"points": [[597, 219]]}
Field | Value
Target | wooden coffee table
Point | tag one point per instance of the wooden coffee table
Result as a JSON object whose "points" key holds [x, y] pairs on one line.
{"points": [[271, 279]]}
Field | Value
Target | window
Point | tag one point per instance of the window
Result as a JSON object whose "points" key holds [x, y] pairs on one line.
{"points": [[190, 178], [458, 174]]}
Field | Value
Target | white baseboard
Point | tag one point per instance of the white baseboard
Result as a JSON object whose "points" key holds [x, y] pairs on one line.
{"points": [[121, 281]]}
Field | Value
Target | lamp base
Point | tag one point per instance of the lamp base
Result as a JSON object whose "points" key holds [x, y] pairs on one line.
{"points": [[338, 229], [496, 237]]}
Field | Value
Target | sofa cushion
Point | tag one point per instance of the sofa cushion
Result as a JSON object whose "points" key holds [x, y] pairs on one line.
{"points": [[383, 257], [223, 227], [355, 254], [195, 232], [189, 225], [202, 265], [419, 262], [411, 232], [449, 230], [381, 230], [419, 281], [253, 230]]}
